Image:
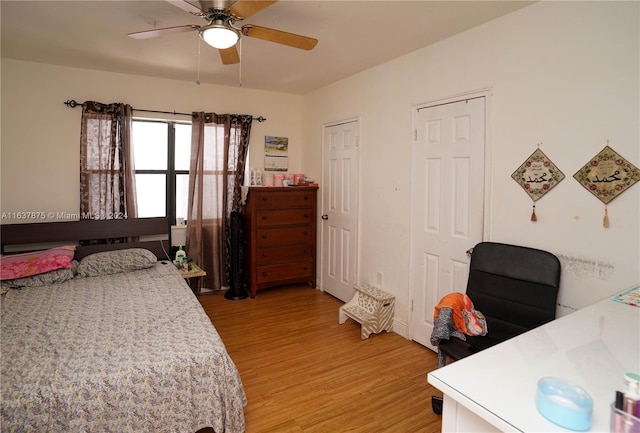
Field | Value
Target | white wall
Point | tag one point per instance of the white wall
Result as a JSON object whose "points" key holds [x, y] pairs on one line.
{"points": [[40, 136], [562, 73]]}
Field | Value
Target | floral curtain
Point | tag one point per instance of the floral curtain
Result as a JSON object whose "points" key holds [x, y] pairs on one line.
{"points": [[107, 175], [219, 146]]}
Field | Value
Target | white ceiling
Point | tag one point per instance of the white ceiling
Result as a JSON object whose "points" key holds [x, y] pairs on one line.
{"points": [[353, 36]]}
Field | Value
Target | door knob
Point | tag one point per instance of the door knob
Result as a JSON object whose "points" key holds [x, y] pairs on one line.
{"points": [[325, 217]]}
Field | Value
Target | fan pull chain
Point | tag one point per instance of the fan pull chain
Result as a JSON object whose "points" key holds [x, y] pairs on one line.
{"points": [[198, 79], [240, 64]]}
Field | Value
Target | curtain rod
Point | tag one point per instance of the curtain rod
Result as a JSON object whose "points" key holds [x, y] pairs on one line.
{"points": [[73, 104]]}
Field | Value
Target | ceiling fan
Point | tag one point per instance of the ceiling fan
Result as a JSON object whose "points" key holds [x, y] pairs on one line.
{"points": [[222, 33]]}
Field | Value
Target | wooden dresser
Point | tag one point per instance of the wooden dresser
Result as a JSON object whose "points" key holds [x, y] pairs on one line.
{"points": [[280, 236]]}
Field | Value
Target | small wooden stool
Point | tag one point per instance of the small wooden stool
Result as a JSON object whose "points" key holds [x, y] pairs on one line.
{"points": [[372, 308]]}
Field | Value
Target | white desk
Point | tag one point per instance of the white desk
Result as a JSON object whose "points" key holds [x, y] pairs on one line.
{"points": [[495, 390]]}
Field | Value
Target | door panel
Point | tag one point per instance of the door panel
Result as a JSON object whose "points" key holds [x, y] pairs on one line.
{"points": [[447, 204], [340, 209]]}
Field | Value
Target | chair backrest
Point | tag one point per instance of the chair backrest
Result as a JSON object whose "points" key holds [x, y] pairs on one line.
{"points": [[515, 287]]}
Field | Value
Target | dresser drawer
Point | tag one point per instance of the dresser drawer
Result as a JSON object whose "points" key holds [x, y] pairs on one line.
{"points": [[283, 199], [283, 254], [283, 236], [283, 272], [270, 218]]}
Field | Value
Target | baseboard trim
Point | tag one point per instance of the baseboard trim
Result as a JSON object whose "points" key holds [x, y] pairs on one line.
{"points": [[401, 328]]}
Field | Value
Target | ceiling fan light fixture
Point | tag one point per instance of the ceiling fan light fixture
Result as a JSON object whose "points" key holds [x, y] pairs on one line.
{"points": [[219, 35]]}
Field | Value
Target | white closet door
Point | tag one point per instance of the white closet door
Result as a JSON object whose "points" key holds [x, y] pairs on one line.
{"points": [[447, 204]]}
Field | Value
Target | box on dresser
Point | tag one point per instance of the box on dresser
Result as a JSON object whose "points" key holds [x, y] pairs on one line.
{"points": [[280, 236]]}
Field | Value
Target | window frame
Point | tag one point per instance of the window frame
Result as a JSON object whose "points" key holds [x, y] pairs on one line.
{"points": [[170, 172]]}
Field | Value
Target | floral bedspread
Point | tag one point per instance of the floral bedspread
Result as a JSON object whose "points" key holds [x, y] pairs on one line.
{"points": [[130, 352]]}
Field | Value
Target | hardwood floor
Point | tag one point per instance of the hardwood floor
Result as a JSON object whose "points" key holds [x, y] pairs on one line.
{"points": [[302, 372]]}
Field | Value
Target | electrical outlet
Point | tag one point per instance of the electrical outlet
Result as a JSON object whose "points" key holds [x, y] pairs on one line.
{"points": [[379, 278]]}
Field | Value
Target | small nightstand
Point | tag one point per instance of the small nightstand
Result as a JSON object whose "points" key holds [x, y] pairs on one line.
{"points": [[193, 272]]}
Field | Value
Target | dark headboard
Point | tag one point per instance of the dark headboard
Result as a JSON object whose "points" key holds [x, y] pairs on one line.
{"points": [[72, 232]]}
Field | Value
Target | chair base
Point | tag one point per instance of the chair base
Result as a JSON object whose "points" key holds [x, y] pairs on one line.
{"points": [[436, 404]]}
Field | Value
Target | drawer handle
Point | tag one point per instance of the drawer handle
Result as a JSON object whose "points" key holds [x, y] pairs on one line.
{"points": [[264, 254], [264, 236], [264, 274], [264, 217], [305, 216], [264, 198], [305, 268], [304, 250], [306, 198], [306, 233]]}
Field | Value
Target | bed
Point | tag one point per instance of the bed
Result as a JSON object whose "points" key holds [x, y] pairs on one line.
{"points": [[110, 349]]}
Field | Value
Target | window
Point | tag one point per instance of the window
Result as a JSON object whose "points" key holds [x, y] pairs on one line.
{"points": [[161, 155]]}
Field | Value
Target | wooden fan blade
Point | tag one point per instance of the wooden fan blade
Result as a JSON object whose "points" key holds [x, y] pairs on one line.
{"points": [[243, 9], [186, 6], [146, 34], [279, 37], [229, 56]]}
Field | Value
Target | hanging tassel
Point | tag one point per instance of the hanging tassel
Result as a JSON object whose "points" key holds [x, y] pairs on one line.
{"points": [[534, 218], [605, 221]]}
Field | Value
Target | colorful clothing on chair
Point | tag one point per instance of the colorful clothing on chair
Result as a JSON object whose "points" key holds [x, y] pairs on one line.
{"points": [[455, 316], [465, 318]]}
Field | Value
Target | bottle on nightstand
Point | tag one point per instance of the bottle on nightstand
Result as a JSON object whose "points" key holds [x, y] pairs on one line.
{"points": [[180, 254]]}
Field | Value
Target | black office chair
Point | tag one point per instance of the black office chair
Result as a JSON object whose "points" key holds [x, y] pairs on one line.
{"points": [[514, 287]]}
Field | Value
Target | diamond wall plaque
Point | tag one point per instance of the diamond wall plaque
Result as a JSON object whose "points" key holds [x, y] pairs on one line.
{"points": [[607, 175], [537, 176]]}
